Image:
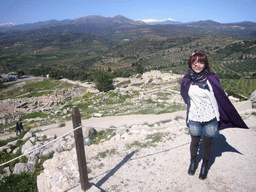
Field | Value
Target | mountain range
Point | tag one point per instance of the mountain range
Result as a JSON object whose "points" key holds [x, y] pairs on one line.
{"points": [[100, 21], [89, 20]]}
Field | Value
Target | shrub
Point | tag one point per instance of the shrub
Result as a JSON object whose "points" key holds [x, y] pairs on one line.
{"points": [[103, 81], [62, 124], [19, 183]]}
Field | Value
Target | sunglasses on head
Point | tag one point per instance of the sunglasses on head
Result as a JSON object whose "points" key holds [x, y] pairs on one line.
{"points": [[197, 52]]}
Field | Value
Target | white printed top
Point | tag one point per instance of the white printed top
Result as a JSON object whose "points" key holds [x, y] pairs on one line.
{"points": [[203, 105]]}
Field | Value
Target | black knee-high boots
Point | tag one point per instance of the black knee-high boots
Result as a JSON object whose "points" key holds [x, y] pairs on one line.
{"points": [[193, 165], [204, 169], [207, 143]]}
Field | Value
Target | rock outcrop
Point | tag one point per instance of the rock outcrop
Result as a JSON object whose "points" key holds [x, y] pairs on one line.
{"points": [[61, 172], [36, 146]]}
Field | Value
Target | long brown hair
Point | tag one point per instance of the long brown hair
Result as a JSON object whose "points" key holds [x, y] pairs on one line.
{"points": [[202, 58]]}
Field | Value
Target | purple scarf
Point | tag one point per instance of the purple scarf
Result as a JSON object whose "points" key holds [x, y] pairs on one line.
{"points": [[199, 79]]}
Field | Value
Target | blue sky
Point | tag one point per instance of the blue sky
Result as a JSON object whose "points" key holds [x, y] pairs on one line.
{"points": [[223, 11]]}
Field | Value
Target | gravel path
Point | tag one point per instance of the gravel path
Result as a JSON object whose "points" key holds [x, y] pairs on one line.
{"points": [[103, 123]]}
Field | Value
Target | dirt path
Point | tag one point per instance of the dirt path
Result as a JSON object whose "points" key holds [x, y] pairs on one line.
{"points": [[103, 123]]}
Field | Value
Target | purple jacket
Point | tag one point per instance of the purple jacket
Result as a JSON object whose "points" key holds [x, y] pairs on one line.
{"points": [[229, 116]]}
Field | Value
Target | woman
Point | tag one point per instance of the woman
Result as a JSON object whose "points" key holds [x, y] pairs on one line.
{"points": [[208, 109]]}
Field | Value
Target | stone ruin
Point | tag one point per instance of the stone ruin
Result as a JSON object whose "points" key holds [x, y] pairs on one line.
{"points": [[11, 109]]}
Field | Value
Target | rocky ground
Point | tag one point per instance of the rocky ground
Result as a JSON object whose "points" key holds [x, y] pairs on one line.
{"points": [[128, 165]]}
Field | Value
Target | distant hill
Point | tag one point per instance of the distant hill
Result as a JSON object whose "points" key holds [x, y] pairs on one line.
{"points": [[94, 43], [89, 20], [207, 23]]}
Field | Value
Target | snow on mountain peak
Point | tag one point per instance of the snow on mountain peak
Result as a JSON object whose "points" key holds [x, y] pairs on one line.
{"points": [[155, 20], [7, 24]]}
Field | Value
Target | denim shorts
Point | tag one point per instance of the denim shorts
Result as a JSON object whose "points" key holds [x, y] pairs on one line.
{"points": [[209, 129]]}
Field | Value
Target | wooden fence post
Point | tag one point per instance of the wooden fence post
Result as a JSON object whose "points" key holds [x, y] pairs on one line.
{"points": [[79, 140]]}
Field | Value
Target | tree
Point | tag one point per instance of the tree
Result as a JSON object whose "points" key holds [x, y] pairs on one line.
{"points": [[55, 74], [103, 81], [20, 72], [139, 69]]}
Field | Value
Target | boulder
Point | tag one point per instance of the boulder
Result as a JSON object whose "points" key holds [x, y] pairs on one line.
{"points": [[24, 167], [121, 82], [41, 185], [3, 148], [60, 173], [23, 105], [97, 114], [27, 135], [38, 134], [92, 132], [26, 147], [253, 99], [13, 143], [32, 139], [137, 84], [8, 150], [65, 111], [7, 147], [65, 144], [15, 150], [47, 152], [33, 156], [6, 171]]}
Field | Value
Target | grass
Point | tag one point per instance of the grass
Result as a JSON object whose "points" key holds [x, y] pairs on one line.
{"points": [[34, 115], [178, 117], [104, 154], [23, 182], [20, 136], [156, 137], [151, 141], [33, 88], [101, 136], [46, 84], [62, 124]]}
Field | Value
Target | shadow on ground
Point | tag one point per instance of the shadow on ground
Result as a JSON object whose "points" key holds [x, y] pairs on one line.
{"points": [[219, 146]]}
